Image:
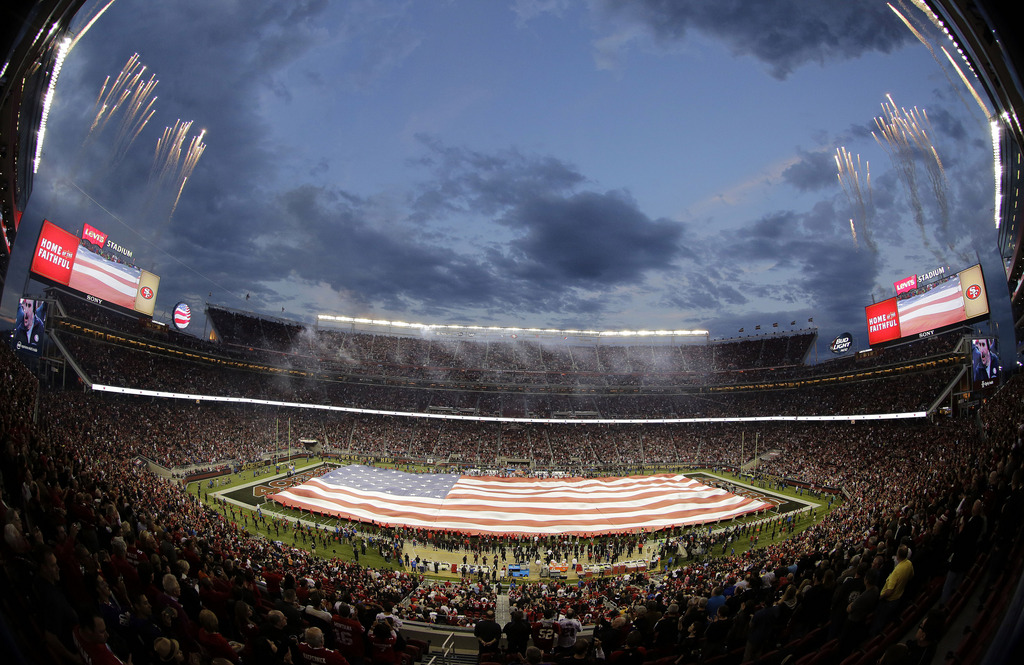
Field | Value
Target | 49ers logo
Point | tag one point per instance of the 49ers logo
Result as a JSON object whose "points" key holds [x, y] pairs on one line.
{"points": [[146, 292], [973, 292]]}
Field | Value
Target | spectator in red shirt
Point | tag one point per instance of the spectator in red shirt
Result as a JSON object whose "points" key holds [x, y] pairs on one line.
{"points": [[216, 644], [314, 652], [382, 644], [545, 631], [91, 639], [348, 634]]}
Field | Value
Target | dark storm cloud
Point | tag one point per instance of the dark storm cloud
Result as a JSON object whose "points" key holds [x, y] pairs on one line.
{"points": [[704, 290], [808, 258], [561, 240], [591, 240], [784, 34], [814, 171], [326, 237], [566, 249], [464, 180]]}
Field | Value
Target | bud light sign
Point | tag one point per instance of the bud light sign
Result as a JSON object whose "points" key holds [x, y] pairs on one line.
{"points": [[842, 343]]}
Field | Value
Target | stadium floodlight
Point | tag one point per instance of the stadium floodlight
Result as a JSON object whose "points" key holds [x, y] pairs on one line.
{"points": [[997, 160], [161, 394], [512, 330], [62, 51]]}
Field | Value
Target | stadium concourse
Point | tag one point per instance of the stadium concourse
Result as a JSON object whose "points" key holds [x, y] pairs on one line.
{"points": [[99, 525]]}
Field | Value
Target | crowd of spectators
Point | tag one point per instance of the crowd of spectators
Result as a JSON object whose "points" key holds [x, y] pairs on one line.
{"points": [[108, 363], [104, 562], [91, 539], [507, 360], [183, 435]]}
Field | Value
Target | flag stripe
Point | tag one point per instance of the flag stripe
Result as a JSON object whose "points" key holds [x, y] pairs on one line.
{"points": [[516, 505]]}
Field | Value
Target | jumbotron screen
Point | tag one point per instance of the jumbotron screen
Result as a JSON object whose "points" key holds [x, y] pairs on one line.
{"points": [[90, 266], [921, 311]]}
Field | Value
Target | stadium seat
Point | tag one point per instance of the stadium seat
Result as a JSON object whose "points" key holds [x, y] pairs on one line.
{"points": [[664, 660], [413, 651], [853, 659], [422, 645]]}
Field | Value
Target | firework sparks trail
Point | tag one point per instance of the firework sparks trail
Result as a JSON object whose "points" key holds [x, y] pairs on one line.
{"points": [[107, 104], [963, 78], [928, 45], [917, 127], [168, 150], [195, 150], [92, 20], [901, 139], [849, 172], [169, 165], [131, 99]]}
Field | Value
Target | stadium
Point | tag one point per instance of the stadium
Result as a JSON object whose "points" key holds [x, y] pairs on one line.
{"points": [[376, 491]]}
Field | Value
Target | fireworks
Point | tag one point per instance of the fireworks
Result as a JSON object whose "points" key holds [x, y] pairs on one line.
{"points": [[130, 98], [92, 20], [848, 168], [173, 162], [921, 38], [963, 77], [905, 137]]}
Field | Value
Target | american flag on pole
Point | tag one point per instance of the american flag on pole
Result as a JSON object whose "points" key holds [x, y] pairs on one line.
{"points": [[492, 505]]}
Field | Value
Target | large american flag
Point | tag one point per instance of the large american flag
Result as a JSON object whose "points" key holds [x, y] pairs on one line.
{"points": [[939, 307], [492, 505], [114, 282]]}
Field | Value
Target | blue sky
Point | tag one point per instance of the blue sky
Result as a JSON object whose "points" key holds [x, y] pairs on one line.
{"points": [[560, 163]]}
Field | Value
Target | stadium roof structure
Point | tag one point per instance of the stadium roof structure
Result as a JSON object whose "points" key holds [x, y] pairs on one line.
{"points": [[30, 34], [985, 39]]}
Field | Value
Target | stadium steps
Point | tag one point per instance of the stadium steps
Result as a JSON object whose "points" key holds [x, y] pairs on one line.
{"points": [[453, 658], [501, 609]]}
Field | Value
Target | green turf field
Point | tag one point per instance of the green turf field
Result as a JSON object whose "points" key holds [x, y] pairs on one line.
{"points": [[245, 503]]}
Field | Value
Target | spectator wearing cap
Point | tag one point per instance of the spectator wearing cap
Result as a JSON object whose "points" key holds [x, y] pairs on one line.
{"points": [[166, 650], [921, 649]]}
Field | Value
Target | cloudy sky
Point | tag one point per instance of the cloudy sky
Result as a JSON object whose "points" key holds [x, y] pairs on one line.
{"points": [[553, 163]]}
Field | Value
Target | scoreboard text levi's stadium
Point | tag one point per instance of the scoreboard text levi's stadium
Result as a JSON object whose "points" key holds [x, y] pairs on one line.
{"points": [[93, 266], [923, 309]]}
